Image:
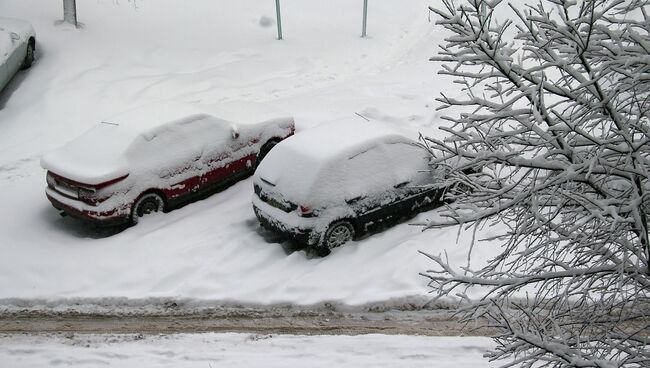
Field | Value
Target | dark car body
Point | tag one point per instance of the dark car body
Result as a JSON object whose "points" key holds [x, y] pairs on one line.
{"points": [[365, 176]]}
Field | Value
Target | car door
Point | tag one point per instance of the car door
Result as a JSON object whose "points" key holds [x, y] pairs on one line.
{"points": [[416, 188], [404, 193], [242, 156], [368, 185], [417, 184], [6, 47], [225, 156], [17, 55], [167, 159]]}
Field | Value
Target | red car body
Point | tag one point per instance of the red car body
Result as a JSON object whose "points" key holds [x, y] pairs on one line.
{"points": [[176, 152]]}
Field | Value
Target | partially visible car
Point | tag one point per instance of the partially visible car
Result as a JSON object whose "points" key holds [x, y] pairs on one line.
{"points": [[157, 158], [17, 47], [328, 185]]}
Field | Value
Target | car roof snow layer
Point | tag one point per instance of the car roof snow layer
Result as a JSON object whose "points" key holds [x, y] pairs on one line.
{"points": [[100, 154], [300, 166]]}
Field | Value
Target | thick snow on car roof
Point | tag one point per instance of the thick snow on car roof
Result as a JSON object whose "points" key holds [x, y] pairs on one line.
{"points": [[100, 154], [331, 140], [320, 164], [149, 117]]}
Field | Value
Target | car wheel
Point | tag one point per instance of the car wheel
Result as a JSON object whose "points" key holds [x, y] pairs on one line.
{"points": [[337, 234], [29, 56], [266, 148], [145, 205]]}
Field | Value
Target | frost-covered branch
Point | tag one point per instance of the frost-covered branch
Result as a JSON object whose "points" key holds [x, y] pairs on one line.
{"points": [[555, 138]]}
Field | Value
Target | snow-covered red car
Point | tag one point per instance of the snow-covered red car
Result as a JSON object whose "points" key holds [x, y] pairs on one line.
{"points": [[327, 185], [17, 47], [157, 158]]}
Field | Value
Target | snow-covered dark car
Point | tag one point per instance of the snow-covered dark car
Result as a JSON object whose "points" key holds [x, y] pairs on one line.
{"points": [[157, 158], [17, 46], [329, 184]]}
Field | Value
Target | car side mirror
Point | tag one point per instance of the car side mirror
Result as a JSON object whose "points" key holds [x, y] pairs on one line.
{"points": [[15, 36], [235, 133], [355, 199], [401, 185]]}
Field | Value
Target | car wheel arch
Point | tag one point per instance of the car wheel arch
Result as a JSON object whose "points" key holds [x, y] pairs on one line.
{"points": [[271, 142], [30, 51], [266, 148], [356, 229]]}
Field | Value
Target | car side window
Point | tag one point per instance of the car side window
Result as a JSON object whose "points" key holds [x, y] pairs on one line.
{"points": [[179, 147], [364, 173], [214, 137], [410, 164]]}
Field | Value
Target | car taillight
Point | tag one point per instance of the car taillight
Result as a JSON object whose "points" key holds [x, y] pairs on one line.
{"points": [[51, 182], [85, 194], [305, 211]]}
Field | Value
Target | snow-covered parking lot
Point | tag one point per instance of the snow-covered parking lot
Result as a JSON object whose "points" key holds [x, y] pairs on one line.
{"points": [[128, 54]]}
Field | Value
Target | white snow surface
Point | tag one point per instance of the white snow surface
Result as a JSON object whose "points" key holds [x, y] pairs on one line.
{"points": [[130, 54], [242, 350]]}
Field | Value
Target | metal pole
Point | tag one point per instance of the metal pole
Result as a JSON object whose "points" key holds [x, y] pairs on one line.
{"points": [[70, 12], [278, 18], [365, 18]]}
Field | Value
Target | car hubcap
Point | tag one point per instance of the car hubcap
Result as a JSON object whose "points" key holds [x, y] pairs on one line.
{"points": [[149, 205], [339, 236]]}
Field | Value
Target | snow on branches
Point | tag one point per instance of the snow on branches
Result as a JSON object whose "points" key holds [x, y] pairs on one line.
{"points": [[555, 127]]}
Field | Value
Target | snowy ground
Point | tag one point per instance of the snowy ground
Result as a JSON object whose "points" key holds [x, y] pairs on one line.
{"points": [[242, 350], [132, 53]]}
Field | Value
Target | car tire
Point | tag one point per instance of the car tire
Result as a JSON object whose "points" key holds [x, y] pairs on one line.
{"points": [[145, 205], [266, 148], [337, 234], [29, 56]]}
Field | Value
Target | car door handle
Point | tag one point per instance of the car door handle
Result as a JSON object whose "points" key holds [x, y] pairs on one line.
{"points": [[401, 185], [354, 200]]}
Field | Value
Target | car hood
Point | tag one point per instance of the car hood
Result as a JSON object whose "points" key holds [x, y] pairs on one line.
{"points": [[21, 27]]}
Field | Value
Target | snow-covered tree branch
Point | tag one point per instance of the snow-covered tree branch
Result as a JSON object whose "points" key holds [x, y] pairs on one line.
{"points": [[555, 125]]}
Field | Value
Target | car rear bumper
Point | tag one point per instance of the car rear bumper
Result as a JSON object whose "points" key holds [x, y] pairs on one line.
{"points": [[77, 210], [302, 235]]}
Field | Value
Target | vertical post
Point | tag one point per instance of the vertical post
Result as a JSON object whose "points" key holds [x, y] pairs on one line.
{"points": [[278, 18], [365, 18], [70, 12]]}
